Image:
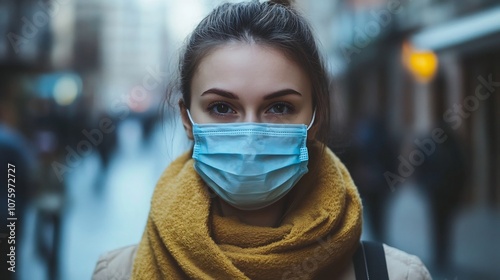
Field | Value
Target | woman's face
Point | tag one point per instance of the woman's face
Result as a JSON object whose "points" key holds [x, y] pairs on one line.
{"points": [[240, 82]]}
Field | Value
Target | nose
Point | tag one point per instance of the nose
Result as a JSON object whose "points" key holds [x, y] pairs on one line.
{"points": [[252, 117]]}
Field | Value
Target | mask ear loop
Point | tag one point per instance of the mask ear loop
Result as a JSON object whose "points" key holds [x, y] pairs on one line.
{"points": [[312, 120], [189, 116]]}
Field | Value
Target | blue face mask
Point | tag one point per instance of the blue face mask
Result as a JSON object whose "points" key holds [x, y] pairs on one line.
{"points": [[250, 165]]}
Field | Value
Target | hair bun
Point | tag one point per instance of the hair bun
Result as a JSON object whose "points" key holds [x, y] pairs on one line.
{"points": [[286, 3]]}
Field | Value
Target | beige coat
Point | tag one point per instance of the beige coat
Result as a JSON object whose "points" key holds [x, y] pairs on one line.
{"points": [[117, 265]]}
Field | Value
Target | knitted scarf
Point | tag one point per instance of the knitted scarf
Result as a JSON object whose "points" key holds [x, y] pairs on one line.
{"points": [[186, 239]]}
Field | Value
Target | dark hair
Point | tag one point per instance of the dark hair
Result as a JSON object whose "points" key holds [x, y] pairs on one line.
{"points": [[272, 23]]}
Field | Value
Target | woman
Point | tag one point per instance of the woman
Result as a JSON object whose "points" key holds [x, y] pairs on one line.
{"points": [[259, 196]]}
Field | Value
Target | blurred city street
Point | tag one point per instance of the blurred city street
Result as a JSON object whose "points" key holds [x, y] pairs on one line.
{"points": [[415, 117], [108, 213], [104, 211]]}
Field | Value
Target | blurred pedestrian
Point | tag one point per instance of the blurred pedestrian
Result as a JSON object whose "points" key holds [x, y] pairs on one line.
{"points": [[17, 160], [442, 177], [373, 153]]}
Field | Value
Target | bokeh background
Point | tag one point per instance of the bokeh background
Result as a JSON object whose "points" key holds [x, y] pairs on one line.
{"points": [[416, 120]]}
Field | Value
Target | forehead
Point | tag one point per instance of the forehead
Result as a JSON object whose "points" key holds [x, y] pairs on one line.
{"points": [[249, 69]]}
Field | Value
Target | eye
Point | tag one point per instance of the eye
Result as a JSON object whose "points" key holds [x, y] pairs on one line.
{"points": [[281, 108], [220, 108]]}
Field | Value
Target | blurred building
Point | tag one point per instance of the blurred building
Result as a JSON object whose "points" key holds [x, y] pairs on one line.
{"points": [[417, 69], [371, 38], [65, 66]]}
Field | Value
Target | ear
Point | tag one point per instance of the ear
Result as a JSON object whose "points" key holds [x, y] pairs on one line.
{"points": [[186, 123]]}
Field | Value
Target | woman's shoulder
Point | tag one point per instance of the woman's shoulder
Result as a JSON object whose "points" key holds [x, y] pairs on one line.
{"points": [[116, 264], [402, 265]]}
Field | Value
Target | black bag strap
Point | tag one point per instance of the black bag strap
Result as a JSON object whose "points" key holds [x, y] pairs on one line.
{"points": [[369, 261]]}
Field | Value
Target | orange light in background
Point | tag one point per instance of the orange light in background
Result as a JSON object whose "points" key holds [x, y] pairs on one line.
{"points": [[422, 64]]}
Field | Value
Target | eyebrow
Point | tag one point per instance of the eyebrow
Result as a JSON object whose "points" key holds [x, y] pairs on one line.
{"points": [[231, 95], [220, 92]]}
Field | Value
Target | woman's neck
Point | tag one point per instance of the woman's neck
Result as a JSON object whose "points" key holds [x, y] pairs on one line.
{"points": [[268, 216]]}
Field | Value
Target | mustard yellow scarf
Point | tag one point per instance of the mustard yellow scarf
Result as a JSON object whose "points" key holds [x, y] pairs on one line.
{"points": [[185, 239]]}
